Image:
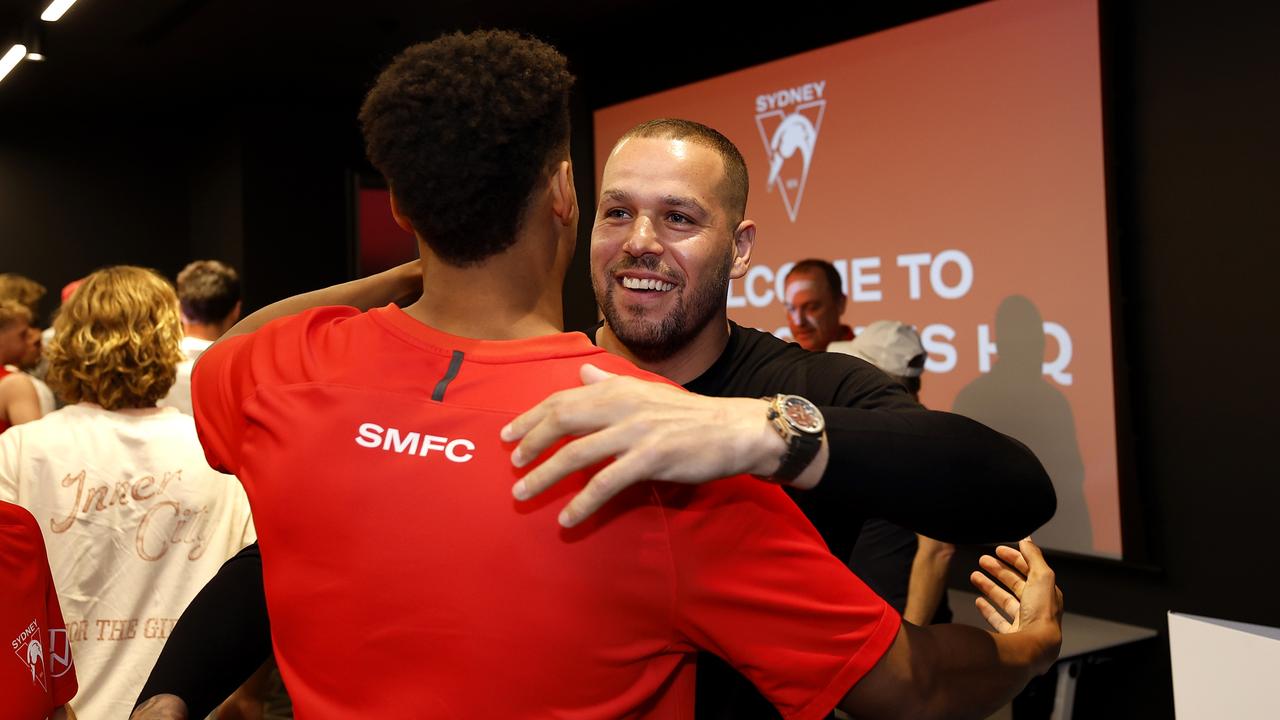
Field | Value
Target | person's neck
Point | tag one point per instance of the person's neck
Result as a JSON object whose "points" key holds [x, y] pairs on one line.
{"points": [[685, 364], [203, 331], [510, 296]]}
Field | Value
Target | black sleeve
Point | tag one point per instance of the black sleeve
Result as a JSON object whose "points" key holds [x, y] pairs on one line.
{"points": [[940, 474], [937, 473], [221, 639]]}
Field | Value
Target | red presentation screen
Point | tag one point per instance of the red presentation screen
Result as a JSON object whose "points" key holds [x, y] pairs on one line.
{"points": [[382, 243], [952, 169]]}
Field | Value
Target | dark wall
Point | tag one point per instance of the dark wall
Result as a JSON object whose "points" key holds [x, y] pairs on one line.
{"points": [[297, 200], [264, 188], [215, 185], [77, 195], [1193, 117]]}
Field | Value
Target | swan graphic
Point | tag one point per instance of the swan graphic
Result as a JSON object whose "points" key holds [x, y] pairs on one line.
{"points": [[35, 661], [795, 132]]}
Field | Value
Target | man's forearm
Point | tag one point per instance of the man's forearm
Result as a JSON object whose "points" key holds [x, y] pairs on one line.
{"points": [[223, 636], [949, 672], [978, 669], [928, 580], [398, 283], [982, 487]]}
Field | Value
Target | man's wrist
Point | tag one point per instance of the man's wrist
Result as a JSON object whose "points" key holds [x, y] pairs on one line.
{"points": [[812, 474], [768, 449], [1034, 648], [1048, 646], [767, 445], [799, 438]]}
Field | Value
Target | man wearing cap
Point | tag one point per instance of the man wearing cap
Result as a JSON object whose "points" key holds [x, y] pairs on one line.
{"points": [[907, 569]]}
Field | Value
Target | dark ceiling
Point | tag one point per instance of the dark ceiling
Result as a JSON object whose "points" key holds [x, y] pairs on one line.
{"points": [[139, 56]]}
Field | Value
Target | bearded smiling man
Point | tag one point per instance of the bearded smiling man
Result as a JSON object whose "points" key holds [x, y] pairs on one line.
{"points": [[669, 232], [672, 211], [678, 250]]}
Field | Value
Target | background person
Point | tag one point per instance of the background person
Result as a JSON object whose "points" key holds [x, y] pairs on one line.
{"points": [[209, 294], [815, 300], [905, 568], [19, 399], [134, 518]]}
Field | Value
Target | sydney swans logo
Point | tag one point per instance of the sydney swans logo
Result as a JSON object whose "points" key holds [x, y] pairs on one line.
{"points": [[789, 121], [30, 652]]}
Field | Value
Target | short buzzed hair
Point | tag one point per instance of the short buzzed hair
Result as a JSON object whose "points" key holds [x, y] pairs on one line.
{"points": [[208, 291], [735, 168], [814, 266]]}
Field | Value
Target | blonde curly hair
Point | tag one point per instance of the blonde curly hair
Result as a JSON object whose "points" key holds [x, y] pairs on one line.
{"points": [[116, 340]]}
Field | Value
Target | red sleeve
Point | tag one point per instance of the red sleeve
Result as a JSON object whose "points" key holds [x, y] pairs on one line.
{"points": [[756, 585], [283, 352]]}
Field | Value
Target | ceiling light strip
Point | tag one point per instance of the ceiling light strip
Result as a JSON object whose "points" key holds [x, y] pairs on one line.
{"points": [[56, 9], [11, 59]]}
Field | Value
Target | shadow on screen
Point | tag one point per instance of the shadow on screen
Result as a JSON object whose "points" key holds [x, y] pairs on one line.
{"points": [[1016, 399]]}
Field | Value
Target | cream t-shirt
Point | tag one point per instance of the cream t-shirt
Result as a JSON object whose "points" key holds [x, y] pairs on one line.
{"points": [[180, 394], [135, 522]]}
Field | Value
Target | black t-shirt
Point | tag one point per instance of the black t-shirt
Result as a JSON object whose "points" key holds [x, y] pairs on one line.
{"points": [[936, 473]]}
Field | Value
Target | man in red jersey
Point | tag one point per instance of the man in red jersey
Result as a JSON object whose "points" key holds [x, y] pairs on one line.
{"points": [[19, 402], [402, 577], [39, 678]]}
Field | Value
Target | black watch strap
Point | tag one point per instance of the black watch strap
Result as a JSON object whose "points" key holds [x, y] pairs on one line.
{"points": [[801, 450], [802, 445]]}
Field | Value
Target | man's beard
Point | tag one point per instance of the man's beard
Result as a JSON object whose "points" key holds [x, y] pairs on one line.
{"points": [[652, 341]]}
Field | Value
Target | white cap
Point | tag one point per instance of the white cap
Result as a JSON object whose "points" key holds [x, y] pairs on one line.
{"points": [[889, 345]]}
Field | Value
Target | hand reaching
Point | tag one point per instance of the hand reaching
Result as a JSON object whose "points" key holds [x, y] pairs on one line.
{"points": [[1026, 599]]}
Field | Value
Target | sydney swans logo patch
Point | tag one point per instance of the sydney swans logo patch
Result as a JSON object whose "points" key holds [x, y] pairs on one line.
{"points": [[789, 121], [30, 651]]}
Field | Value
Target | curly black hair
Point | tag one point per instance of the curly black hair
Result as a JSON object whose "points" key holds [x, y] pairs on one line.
{"points": [[462, 128]]}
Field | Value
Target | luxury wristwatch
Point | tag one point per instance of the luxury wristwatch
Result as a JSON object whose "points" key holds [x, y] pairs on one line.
{"points": [[800, 425]]}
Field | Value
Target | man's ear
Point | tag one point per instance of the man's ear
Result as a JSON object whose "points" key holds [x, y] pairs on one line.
{"points": [[564, 197], [401, 220], [744, 240]]}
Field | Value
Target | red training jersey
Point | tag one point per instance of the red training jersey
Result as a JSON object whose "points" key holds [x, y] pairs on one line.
{"points": [[36, 672], [403, 580]]}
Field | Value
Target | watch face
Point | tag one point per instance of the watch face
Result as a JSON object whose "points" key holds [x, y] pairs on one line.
{"points": [[804, 415]]}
